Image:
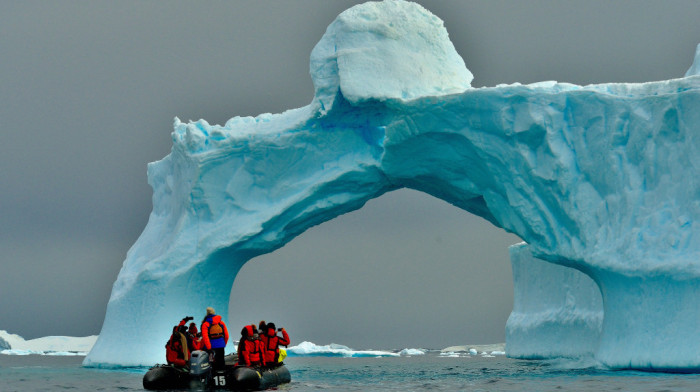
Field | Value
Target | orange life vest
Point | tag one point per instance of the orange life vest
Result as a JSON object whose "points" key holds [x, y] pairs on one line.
{"points": [[216, 331]]}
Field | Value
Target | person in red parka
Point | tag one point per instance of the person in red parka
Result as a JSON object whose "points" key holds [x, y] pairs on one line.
{"points": [[271, 343], [177, 351], [250, 348], [195, 337]]}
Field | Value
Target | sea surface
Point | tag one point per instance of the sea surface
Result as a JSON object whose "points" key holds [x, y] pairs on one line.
{"points": [[429, 372]]}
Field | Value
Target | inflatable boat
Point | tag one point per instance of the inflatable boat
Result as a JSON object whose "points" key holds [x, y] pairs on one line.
{"points": [[202, 376]]}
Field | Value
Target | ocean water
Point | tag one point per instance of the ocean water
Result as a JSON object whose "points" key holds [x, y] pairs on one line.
{"points": [[430, 372]]}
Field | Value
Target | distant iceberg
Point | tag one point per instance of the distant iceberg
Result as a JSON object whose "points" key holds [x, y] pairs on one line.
{"points": [[309, 349], [334, 350], [489, 350], [48, 345], [411, 352]]}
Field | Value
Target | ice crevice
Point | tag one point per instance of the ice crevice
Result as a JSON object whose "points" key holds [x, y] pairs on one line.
{"points": [[602, 180]]}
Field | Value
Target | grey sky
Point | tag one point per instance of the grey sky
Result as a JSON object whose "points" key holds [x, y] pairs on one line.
{"points": [[88, 91]]}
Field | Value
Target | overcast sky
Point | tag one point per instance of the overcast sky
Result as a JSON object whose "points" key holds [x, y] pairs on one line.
{"points": [[88, 93]]}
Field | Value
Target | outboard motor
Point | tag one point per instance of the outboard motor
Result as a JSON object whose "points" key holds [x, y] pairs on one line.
{"points": [[199, 364], [200, 370]]}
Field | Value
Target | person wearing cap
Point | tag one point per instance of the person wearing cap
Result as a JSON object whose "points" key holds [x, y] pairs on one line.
{"points": [[195, 338], [214, 337]]}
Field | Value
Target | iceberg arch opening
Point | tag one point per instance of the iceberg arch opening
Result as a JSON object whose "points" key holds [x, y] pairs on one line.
{"points": [[376, 256]]}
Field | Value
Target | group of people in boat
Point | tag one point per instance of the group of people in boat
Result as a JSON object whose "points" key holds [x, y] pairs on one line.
{"points": [[258, 347]]}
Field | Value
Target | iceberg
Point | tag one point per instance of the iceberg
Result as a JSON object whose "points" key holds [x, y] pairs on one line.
{"points": [[334, 350], [12, 344], [602, 178]]}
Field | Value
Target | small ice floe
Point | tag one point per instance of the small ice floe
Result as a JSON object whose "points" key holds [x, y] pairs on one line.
{"points": [[408, 352]]}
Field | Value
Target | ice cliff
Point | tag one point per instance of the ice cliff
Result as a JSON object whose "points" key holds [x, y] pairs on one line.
{"points": [[557, 311], [601, 178]]}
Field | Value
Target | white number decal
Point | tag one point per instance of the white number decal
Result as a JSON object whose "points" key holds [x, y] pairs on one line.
{"points": [[220, 381]]}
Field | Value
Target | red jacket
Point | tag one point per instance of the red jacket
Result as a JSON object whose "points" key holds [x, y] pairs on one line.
{"points": [[250, 353], [218, 342], [271, 344], [174, 352], [250, 350], [197, 343]]}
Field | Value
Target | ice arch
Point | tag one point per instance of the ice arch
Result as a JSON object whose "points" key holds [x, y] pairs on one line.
{"points": [[603, 178]]}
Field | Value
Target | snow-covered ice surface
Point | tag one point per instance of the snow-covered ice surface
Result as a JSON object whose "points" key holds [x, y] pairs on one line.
{"points": [[383, 51], [48, 345], [604, 178]]}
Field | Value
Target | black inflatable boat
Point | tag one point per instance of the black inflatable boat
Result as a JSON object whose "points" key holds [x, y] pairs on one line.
{"points": [[202, 376]]}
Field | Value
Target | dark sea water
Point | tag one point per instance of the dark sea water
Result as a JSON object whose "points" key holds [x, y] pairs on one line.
{"points": [[429, 372]]}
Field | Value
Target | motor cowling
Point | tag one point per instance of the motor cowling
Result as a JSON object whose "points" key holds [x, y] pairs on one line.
{"points": [[199, 363]]}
